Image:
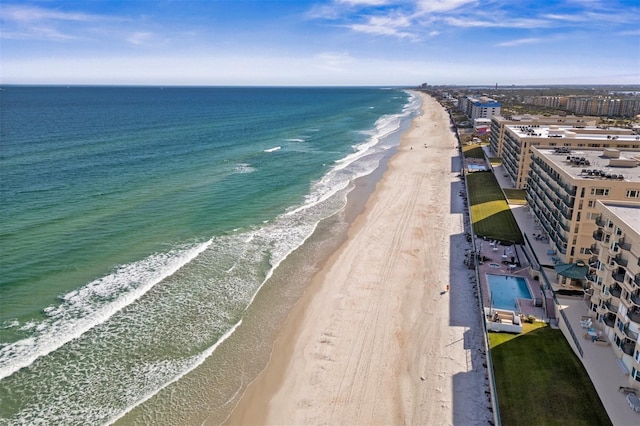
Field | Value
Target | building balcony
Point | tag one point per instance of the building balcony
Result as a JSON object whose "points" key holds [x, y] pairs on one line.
{"points": [[618, 276], [598, 235], [634, 315], [609, 320], [615, 290], [620, 260], [601, 222], [605, 295], [635, 298], [594, 249], [631, 335], [610, 307], [628, 348], [623, 245]]}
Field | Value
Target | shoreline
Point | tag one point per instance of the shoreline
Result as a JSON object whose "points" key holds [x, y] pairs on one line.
{"points": [[374, 338]]}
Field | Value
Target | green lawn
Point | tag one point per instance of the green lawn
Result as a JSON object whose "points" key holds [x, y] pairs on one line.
{"points": [[515, 196], [540, 381], [490, 212], [473, 151], [495, 161]]}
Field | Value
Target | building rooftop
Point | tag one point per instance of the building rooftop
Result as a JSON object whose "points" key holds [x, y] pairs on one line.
{"points": [[595, 164], [570, 132], [629, 213], [559, 118]]}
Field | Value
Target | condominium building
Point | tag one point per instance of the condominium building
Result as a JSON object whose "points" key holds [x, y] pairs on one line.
{"points": [[615, 281], [628, 106], [498, 123], [479, 107], [564, 186], [519, 140]]}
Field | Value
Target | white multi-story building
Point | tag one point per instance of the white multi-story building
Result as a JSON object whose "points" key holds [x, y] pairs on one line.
{"points": [[479, 107]]}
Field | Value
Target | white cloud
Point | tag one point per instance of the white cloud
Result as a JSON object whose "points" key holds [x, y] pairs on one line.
{"points": [[498, 23], [430, 6], [364, 2], [519, 42], [36, 23], [25, 14], [385, 25]]}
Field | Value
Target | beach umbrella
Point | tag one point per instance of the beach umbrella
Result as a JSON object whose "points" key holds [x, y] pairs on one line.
{"points": [[576, 271]]}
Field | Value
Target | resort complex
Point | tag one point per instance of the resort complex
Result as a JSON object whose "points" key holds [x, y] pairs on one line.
{"points": [[577, 267]]}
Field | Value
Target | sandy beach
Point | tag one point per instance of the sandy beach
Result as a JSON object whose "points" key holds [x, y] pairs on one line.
{"points": [[377, 338]]}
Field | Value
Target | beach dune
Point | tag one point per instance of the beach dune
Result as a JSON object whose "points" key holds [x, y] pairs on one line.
{"points": [[389, 331]]}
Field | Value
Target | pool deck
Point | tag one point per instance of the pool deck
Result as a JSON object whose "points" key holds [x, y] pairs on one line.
{"points": [[496, 254]]}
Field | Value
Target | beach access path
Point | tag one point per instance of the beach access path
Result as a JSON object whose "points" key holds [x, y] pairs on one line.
{"points": [[377, 339]]}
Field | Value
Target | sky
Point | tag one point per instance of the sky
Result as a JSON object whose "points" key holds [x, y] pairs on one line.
{"points": [[320, 42]]}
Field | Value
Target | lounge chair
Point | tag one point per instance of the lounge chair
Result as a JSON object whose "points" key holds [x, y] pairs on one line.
{"points": [[586, 323]]}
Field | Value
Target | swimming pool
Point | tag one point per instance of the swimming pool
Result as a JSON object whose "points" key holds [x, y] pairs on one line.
{"points": [[505, 289], [476, 167]]}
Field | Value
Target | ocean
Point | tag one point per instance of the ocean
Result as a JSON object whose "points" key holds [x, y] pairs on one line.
{"points": [[153, 240]]}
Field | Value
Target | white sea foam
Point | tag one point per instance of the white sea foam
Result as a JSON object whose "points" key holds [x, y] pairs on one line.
{"points": [[294, 140], [244, 168], [362, 161], [233, 255], [93, 304], [276, 148], [193, 364], [13, 323]]}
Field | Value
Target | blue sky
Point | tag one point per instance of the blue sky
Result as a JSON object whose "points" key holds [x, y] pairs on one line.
{"points": [[320, 42]]}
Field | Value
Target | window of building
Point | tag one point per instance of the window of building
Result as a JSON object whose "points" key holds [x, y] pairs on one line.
{"points": [[591, 203], [593, 216], [633, 193], [617, 341], [600, 191]]}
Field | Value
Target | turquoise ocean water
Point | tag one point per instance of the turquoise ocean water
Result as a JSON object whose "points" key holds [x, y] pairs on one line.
{"points": [[138, 224]]}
